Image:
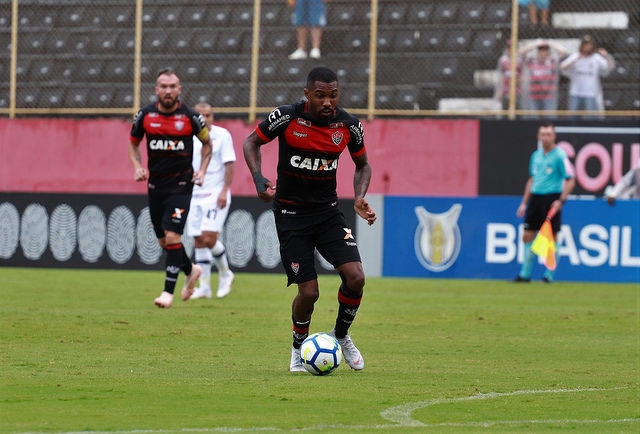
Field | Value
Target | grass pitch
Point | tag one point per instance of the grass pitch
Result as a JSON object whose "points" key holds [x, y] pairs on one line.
{"points": [[87, 351]]}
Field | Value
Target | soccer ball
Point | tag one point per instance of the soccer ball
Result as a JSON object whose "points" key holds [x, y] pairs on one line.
{"points": [[320, 354]]}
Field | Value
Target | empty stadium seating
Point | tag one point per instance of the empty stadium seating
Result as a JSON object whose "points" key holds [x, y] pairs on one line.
{"points": [[82, 55]]}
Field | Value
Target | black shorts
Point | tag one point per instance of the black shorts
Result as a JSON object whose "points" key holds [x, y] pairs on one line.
{"points": [[301, 234], [168, 212], [537, 210]]}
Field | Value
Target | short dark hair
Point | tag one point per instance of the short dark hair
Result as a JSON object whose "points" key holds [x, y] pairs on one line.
{"points": [[166, 71], [322, 74], [547, 125]]}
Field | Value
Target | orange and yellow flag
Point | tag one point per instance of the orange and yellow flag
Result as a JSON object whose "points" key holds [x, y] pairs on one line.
{"points": [[544, 245]]}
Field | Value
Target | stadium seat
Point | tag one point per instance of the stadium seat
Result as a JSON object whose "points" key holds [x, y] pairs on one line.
{"points": [[627, 41], [118, 70], [40, 70], [32, 42], [280, 94], [458, 40], [406, 98], [31, 18], [419, 13], [235, 42], [354, 97], [356, 42], [385, 40], [193, 17], [498, 12], [445, 13], [239, 71], [154, 41], [160, 16], [354, 71], [277, 42], [27, 98], [348, 14], [406, 41], [471, 13], [123, 96], [66, 42], [269, 70], [72, 15], [120, 16], [219, 17], [76, 96], [51, 97], [488, 42], [89, 71], [432, 40], [242, 16], [204, 42], [392, 14], [277, 14], [104, 42]]}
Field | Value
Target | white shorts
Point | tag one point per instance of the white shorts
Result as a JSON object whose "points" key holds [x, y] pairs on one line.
{"points": [[205, 216]]}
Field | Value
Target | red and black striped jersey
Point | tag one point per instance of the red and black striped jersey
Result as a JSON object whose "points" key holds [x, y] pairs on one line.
{"points": [[308, 153], [169, 145]]}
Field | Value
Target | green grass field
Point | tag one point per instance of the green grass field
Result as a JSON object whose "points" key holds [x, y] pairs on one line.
{"points": [[87, 351]]}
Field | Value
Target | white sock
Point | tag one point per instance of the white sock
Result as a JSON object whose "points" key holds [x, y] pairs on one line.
{"points": [[204, 259], [220, 257]]}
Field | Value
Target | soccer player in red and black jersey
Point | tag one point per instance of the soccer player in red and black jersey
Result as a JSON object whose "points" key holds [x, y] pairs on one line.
{"points": [[312, 134], [169, 126]]}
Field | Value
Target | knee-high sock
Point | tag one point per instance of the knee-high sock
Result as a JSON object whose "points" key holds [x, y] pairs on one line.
{"points": [[174, 264], [348, 305], [527, 263], [300, 331], [220, 257], [204, 259]]}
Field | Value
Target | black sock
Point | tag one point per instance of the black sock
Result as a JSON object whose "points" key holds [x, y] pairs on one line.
{"points": [[173, 266], [186, 261], [300, 332], [348, 305]]}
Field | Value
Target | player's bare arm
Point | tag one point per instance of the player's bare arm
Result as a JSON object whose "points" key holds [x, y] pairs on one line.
{"points": [[139, 173], [198, 176], [361, 180], [253, 157]]}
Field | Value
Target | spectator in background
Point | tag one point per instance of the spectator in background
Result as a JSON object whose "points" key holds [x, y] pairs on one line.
{"points": [[627, 188], [210, 205], [504, 78], [309, 17], [541, 73], [584, 70], [533, 6]]}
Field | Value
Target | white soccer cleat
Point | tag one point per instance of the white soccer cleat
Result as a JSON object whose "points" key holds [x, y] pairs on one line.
{"points": [[299, 54], [190, 282], [315, 53], [201, 292], [350, 353], [164, 301], [296, 361], [224, 287]]}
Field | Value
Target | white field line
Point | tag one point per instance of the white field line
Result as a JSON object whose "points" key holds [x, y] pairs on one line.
{"points": [[400, 416]]}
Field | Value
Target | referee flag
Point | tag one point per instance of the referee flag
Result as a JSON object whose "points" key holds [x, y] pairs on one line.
{"points": [[544, 245]]}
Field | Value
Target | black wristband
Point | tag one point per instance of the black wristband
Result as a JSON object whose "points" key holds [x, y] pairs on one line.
{"points": [[260, 182]]}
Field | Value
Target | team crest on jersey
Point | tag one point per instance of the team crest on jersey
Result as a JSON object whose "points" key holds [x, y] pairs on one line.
{"points": [[179, 125], [295, 267], [337, 137]]}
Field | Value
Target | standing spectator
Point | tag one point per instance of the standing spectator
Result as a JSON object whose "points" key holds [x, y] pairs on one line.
{"points": [[503, 82], [533, 6], [312, 134], [550, 182], [210, 206], [169, 126], [584, 70], [628, 187], [541, 74], [309, 17]]}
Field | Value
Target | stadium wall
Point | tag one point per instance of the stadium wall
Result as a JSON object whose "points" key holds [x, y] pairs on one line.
{"points": [[67, 198]]}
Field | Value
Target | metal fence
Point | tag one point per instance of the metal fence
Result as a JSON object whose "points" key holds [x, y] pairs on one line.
{"points": [[393, 58]]}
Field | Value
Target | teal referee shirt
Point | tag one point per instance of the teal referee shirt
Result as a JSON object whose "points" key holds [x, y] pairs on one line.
{"points": [[549, 171]]}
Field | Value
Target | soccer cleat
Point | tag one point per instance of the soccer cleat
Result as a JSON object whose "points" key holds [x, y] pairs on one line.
{"points": [[164, 301], [201, 292], [224, 287], [296, 361], [545, 279], [521, 279], [190, 282], [315, 53], [351, 354], [299, 54]]}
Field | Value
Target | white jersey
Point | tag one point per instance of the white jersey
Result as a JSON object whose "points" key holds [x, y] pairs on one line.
{"points": [[221, 152], [584, 74]]}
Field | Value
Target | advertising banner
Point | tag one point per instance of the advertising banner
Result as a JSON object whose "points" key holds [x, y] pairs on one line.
{"points": [[601, 153], [482, 238], [115, 232]]}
